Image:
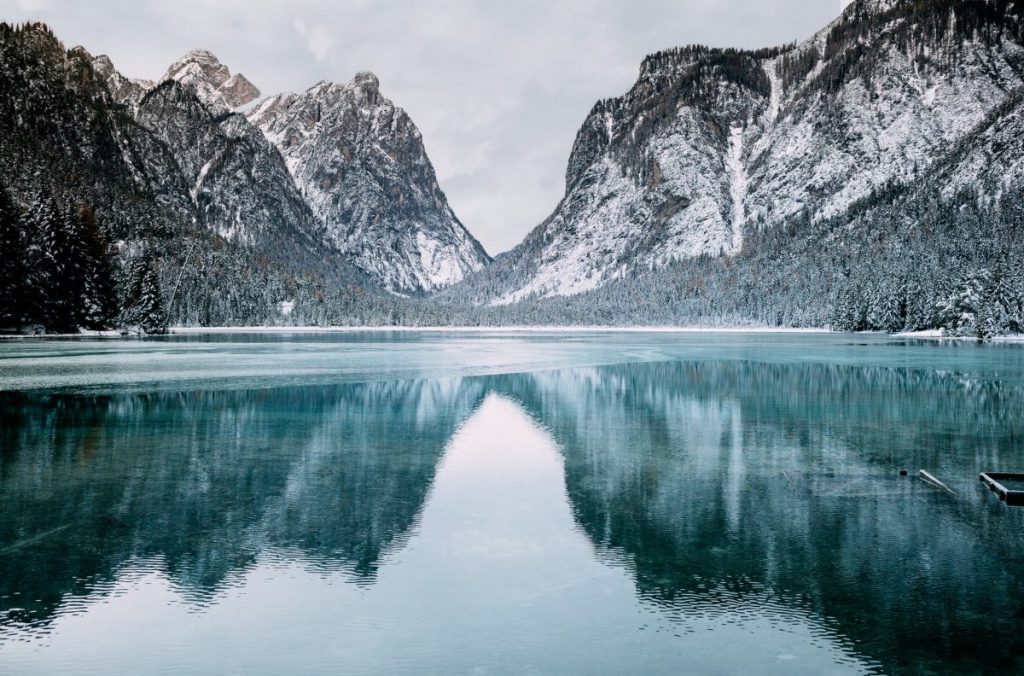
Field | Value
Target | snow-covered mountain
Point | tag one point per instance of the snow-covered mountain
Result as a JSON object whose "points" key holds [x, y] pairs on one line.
{"points": [[339, 168], [232, 177], [710, 144], [361, 165], [203, 73]]}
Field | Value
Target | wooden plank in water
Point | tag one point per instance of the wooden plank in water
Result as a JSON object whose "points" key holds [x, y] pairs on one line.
{"points": [[996, 481], [927, 477]]}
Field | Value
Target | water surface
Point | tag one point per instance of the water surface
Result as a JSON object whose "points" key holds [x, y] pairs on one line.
{"points": [[508, 503]]}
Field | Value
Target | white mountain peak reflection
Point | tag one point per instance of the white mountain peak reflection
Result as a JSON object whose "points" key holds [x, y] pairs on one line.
{"points": [[496, 573]]}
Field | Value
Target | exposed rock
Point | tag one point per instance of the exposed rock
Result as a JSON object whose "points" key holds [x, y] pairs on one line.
{"points": [[203, 73], [710, 143], [361, 165]]}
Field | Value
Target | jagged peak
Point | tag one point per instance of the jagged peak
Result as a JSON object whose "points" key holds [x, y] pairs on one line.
{"points": [[870, 6], [199, 63], [211, 80], [366, 80], [80, 50]]}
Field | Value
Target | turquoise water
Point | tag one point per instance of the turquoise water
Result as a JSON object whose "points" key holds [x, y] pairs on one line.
{"points": [[508, 503]]}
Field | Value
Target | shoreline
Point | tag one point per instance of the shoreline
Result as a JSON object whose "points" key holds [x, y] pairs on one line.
{"points": [[938, 335], [929, 335], [228, 330], [196, 330]]}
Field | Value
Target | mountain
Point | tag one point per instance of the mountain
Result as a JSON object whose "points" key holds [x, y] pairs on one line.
{"points": [[204, 74], [360, 163], [870, 177], [712, 146], [194, 189]]}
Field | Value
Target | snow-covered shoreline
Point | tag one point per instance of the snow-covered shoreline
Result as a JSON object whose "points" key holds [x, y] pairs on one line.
{"points": [[485, 329], [937, 334], [222, 330]]}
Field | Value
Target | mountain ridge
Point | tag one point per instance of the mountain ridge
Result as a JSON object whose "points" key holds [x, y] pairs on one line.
{"points": [[362, 166], [711, 142], [868, 177]]}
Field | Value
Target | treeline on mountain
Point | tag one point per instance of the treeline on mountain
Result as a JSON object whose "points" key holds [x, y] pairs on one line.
{"points": [[58, 273], [79, 174], [900, 261]]}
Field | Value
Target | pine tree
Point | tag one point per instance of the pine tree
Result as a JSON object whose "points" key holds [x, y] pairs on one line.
{"points": [[143, 302], [52, 263], [997, 303], [97, 303], [918, 307], [12, 265]]}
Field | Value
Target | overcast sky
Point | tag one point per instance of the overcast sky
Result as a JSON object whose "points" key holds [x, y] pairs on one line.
{"points": [[498, 87]]}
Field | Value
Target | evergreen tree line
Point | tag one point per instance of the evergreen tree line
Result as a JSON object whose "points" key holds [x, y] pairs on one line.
{"points": [[896, 262], [58, 273], [899, 261]]}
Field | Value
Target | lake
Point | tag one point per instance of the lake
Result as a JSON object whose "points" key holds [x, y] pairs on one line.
{"points": [[503, 502]]}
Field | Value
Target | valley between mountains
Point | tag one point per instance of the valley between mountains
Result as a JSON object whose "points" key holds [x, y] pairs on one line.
{"points": [[867, 178]]}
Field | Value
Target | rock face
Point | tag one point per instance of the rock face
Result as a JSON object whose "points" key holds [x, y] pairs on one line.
{"points": [[204, 74], [711, 143], [361, 165], [121, 88], [161, 170]]}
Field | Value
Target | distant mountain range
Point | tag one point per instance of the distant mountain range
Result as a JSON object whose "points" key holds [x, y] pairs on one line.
{"points": [[868, 177]]}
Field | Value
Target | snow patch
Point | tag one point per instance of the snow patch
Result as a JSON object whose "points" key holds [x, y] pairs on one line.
{"points": [[738, 185], [775, 82]]}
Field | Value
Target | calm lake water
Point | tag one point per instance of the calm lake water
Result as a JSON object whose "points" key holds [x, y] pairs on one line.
{"points": [[508, 503]]}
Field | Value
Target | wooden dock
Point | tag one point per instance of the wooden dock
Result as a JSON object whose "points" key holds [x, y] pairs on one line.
{"points": [[1009, 486]]}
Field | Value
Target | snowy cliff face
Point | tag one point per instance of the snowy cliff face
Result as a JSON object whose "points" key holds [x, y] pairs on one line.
{"points": [[153, 161], [202, 72], [122, 89], [361, 165], [711, 143], [236, 180]]}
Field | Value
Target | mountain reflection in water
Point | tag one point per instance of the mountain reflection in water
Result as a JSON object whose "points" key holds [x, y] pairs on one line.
{"points": [[677, 516]]}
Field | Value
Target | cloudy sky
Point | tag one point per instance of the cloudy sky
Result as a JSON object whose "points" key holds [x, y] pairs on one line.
{"points": [[498, 87]]}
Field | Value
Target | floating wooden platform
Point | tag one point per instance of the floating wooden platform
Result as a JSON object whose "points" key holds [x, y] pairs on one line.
{"points": [[1009, 486]]}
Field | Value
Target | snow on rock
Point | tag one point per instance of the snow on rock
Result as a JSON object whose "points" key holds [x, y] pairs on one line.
{"points": [[203, 73], [709, 142], [360, 163], [738, 183]]}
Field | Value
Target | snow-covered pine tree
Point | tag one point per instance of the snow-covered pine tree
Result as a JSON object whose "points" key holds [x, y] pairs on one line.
{"points": [[997, 301], [918, 306], [850, 311], [52, 262], [97, 303], [1015, 321], [143, 307], [887, 309], [960, 312], [12, 265]]}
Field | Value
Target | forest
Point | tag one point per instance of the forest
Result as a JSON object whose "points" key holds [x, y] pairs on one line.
{"points": [[896, 262]]}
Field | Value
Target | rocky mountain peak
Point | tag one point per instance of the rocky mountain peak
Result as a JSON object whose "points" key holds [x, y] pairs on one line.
{"points": [[365, 80], [201, 71], [361, 165], [871, 6], [199, 63]]}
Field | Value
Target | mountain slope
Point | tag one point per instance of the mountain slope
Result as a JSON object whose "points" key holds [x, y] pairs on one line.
{"points": [[361, 165], [710, 145], [202, 195]]}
